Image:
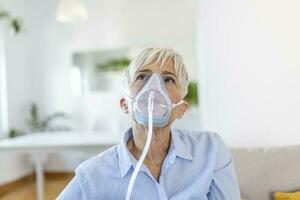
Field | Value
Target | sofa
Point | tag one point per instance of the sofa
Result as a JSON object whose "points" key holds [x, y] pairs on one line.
{"points": [[263, 171]]}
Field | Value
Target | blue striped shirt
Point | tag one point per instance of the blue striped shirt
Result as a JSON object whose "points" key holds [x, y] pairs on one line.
{"points": [[197, 166]]}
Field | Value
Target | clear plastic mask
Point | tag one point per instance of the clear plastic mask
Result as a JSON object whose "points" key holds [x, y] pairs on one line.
{"points": [[162, 105]]}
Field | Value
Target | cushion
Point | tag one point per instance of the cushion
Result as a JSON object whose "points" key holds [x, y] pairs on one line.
{"points": [[287, 196]]}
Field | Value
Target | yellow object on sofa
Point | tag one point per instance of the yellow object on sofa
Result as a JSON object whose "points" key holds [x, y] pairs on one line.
{"points": [[287, 196]]}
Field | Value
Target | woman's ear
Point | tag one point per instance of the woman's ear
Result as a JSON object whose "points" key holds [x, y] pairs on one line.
{"points": [[124, 105], [182, 109]]}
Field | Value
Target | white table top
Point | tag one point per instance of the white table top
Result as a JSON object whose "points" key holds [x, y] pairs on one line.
{"points": [[58, 141]]}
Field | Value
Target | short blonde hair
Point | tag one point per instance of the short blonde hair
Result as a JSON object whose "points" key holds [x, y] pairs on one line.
{"points": [[158, 55]]}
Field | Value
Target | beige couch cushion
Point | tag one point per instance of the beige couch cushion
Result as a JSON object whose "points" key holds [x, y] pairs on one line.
{"points": [[263, 171]]}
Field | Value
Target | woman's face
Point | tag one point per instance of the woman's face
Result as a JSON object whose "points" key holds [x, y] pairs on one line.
{"points": [[167, 74], [171, 84]]}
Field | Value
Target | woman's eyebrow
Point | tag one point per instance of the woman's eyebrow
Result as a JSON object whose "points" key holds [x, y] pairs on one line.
{"points": [[144, 71], [149, 71], [168, 73]]}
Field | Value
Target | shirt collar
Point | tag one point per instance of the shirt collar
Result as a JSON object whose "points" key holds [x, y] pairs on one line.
{"points": [[126, 160], [181, 149]]}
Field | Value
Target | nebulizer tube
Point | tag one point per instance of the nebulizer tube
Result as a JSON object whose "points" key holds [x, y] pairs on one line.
{"points": [[146, 147]]}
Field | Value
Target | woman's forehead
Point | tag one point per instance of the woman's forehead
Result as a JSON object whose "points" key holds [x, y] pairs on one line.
{"points": [[167, 66]]}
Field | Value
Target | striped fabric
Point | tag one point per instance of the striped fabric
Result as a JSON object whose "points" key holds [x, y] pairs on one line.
{"points": [[197, 166]]}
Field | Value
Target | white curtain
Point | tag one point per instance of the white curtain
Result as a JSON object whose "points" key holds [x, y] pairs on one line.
{"points": [[3, 87]]}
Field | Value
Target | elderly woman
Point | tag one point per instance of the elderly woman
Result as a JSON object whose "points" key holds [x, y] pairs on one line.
{"points": [[178, 164]]}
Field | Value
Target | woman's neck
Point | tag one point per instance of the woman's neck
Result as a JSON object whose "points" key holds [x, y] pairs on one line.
{"points": [[157, 151]]}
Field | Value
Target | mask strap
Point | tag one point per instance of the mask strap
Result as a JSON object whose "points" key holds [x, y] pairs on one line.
{"points": [[176, 104], [128, 98]]}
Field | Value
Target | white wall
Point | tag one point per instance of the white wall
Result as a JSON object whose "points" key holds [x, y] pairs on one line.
{"points": [[12, 165], [250, 70]]}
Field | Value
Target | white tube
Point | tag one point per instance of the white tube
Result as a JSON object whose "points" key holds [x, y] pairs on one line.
{"points": [[146, 147]]}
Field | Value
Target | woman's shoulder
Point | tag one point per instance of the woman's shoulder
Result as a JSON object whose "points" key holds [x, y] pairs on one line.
{"points": [[102, 162], [204, 137], [204, 144]]}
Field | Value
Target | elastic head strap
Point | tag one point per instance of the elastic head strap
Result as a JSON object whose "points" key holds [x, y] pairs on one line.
{"points": [[176, 104]]}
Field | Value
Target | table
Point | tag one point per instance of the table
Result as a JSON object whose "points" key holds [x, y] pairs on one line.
{"points": [[39, 145]]}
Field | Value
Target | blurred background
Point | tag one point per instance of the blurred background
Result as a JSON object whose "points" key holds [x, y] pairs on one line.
{"points": [[62, 65]]}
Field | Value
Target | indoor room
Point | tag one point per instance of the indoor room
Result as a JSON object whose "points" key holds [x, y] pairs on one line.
{"points": [[113, 99]]}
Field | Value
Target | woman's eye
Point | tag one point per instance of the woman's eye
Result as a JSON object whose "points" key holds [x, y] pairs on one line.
{"points": [[141, 77], [169, 80]]}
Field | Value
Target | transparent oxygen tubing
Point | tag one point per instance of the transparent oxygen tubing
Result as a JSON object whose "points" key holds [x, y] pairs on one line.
{"points": [[146, 147]]}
